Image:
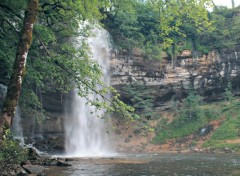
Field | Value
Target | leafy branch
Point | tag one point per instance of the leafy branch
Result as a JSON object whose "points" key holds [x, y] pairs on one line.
{"points": [[117, 105]]}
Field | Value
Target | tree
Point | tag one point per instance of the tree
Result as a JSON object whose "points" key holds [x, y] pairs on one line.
{"points": [[226, 32], [10, 23], [56, 59], [122, 23], [175, 14], [140, 97], [15, 83]]}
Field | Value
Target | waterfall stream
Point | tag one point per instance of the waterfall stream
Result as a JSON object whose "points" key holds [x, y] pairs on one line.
{"points": [[85, 133], [17, 126]]}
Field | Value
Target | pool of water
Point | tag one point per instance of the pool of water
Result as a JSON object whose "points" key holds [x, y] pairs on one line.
{"points": [[152, 165]]}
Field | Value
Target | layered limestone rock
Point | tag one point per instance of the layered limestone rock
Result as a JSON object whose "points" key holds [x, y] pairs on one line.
{"points": [[208, 74], [52, 125]]}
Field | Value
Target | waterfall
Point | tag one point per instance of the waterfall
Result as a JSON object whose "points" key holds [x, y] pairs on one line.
{"points": [[16, 128], [85, 133], [236, 55]]}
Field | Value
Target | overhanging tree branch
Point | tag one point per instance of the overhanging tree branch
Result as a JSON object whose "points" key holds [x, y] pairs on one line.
{"points": [[117, 104], [63, 67]]}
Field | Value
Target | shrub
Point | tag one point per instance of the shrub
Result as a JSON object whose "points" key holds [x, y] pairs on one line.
{"points": [[140, 97], [11, 151], [228, 130], [190, 117]]}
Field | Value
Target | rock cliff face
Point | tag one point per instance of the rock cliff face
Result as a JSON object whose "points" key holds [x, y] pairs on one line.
{"points": [[48, 135], [208, 74]]}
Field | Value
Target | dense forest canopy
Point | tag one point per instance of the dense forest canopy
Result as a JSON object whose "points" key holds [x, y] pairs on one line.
{"points": [[157, 26]]}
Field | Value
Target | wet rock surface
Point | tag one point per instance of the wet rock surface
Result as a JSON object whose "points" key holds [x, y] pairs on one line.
{"points": [[33, 169], [34, 166], [50, 144], [9, 169]]}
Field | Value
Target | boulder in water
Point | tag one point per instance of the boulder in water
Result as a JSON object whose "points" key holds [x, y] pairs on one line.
{"points": [[33, 169], [62, 164]]}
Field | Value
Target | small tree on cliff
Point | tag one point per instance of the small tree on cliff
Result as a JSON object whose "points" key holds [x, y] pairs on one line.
{"points": [[15, 82]]}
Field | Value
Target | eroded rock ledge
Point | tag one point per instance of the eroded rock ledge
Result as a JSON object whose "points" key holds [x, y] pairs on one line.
{"points": [[208, 74]]}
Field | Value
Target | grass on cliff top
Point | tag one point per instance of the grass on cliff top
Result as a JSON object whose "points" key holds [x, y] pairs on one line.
{"points": [[193, 115]]}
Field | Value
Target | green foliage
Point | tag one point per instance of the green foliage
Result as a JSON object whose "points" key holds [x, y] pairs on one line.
{"points": [[228, 92], [155, 25], [11, 151], [230, 127], [171, 132], [10, 17], [152, 51], [231, 108], [212, 112], [57, 60], [226, 33], [175, 15], [122, 23], [134, 24], [182, 126], [190, 116], [139, 97], [228, 130], [190, 111]]}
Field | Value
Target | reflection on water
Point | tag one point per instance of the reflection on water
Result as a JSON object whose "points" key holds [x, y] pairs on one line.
{"points": [[153, 165]]}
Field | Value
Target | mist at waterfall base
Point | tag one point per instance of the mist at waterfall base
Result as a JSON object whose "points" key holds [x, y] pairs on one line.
{"points": [[85, 132]]}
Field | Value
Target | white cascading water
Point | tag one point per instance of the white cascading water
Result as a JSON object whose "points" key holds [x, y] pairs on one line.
{"points": [[85, 133], [16, 128]]}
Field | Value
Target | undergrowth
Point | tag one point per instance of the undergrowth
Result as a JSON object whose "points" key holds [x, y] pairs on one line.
{"points": [[229, 130], [11, 151], [193, 115]]}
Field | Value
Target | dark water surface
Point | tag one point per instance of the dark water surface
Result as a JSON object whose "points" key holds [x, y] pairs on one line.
{"points": [[153, 165]]}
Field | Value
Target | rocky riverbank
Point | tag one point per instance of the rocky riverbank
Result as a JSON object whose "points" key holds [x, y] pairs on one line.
{"points": [[39, 165], [35, 165]]}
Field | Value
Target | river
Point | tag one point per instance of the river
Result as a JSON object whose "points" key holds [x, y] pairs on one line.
{"points": [[192, 164]]}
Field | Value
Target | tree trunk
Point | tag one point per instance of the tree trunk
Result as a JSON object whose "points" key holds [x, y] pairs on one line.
{"points": [[15, 83]]}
